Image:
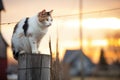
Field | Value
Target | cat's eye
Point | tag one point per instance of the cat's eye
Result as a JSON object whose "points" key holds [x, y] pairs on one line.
{"points": [[46, 19]]}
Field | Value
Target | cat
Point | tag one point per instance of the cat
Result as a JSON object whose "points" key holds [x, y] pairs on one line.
{"points": [[28, 33]]}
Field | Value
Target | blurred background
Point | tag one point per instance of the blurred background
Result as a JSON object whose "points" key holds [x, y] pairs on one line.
{"points": [[85, 37]]}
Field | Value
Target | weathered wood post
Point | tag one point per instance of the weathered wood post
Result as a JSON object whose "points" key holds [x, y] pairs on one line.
{"points": [[34, 67]]}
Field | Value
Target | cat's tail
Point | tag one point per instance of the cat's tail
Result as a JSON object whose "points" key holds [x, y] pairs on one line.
{"points": [[15, 53]]}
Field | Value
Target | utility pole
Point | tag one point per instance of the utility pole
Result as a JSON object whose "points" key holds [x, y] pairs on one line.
{"points": [[81, 40]]}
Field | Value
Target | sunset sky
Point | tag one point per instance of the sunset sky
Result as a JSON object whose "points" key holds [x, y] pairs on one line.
{"points": [[68, 26], [16, 9]]}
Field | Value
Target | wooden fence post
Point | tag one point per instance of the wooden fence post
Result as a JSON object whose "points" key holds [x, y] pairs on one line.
{"points": [[34, 67]]}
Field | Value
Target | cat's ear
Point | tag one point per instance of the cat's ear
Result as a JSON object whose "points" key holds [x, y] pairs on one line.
{"points": [[51, 11], [43, 11]]}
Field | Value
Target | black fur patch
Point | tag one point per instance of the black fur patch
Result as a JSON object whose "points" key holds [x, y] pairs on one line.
{"points": [[15, 28], [25, 26], [48, 13]]}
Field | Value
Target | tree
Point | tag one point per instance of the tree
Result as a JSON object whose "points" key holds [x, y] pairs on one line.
{"points": [[103, 63]]}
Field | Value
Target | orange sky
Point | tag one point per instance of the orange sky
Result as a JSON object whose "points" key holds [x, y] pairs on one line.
{"points": [[68, 26], [17, 9]]}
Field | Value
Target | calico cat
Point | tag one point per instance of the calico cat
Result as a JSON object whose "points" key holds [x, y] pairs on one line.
{"points": [[28, 33]]}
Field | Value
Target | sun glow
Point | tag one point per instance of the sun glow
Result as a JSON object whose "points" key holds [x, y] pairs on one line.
{"points": [[99, 43], [95, 23], [111, 23]]}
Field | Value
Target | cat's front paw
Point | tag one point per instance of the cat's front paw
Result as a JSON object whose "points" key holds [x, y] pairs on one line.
{"points": [[22, 52]]}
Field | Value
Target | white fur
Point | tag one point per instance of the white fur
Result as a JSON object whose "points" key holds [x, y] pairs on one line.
{"points": [[35, 32]]}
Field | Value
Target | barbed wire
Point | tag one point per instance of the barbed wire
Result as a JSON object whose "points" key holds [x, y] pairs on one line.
{"points": [[90, 12], [8, 23]]}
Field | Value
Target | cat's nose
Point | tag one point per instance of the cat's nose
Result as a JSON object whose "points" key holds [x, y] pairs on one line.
{"points": [[50, 24]]}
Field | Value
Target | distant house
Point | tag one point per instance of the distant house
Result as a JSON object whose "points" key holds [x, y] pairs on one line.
{"points": [[72, 58]]}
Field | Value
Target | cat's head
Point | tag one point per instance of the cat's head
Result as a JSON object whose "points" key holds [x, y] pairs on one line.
{"points": [[45, 17]]}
